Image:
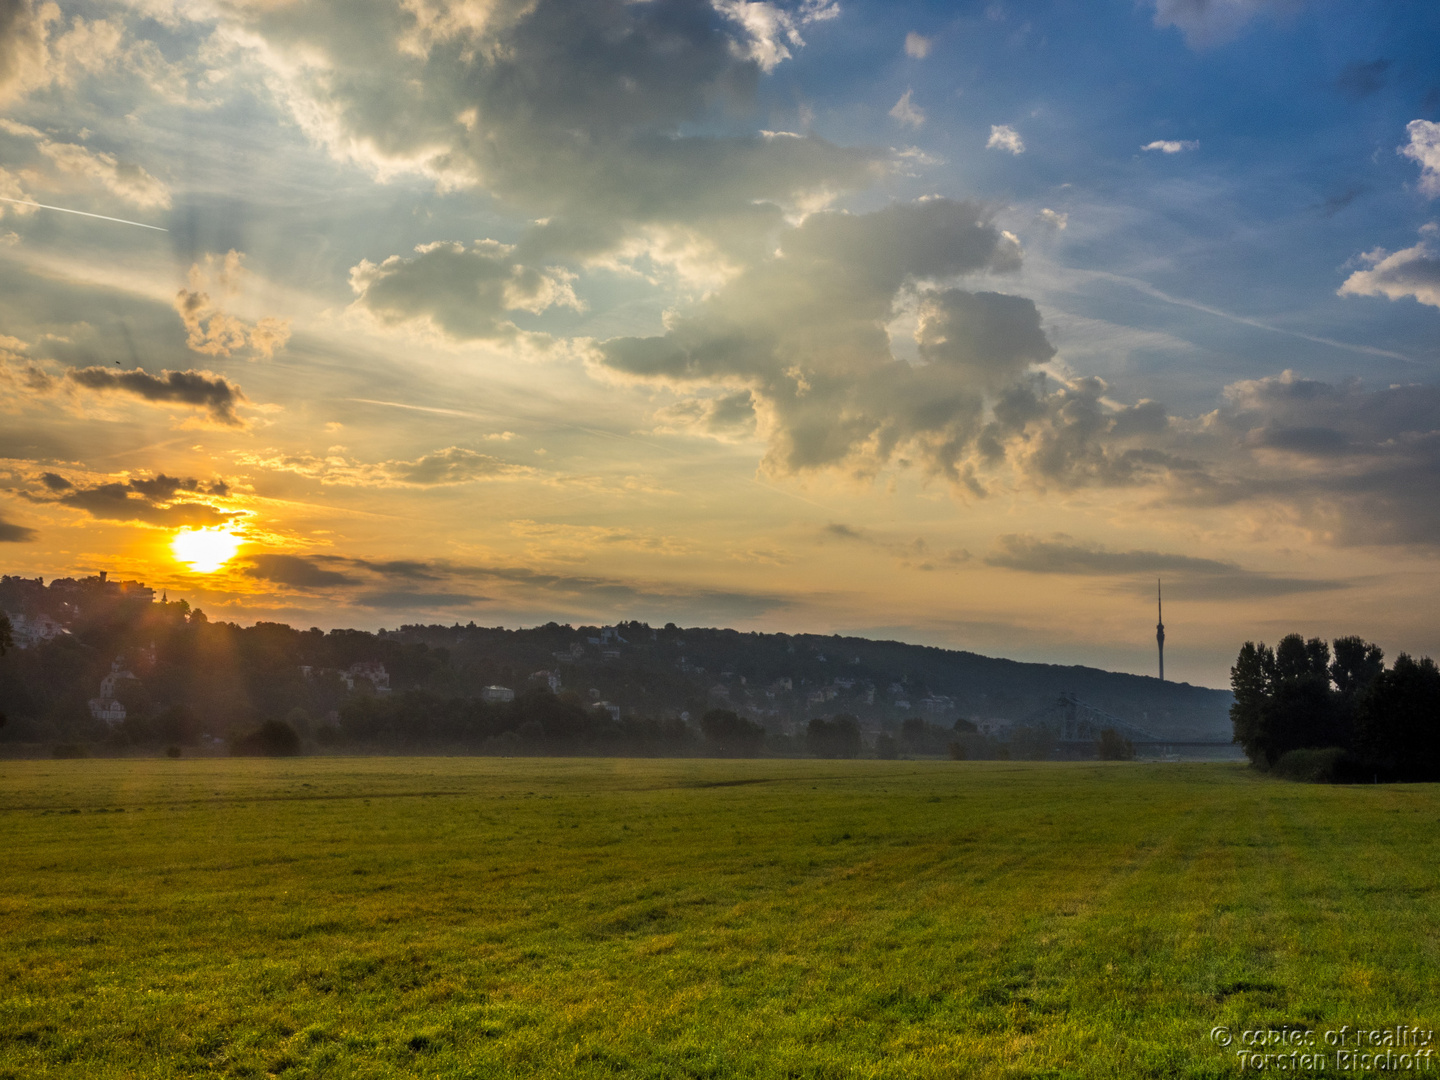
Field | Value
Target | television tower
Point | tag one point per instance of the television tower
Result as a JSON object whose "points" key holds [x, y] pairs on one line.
{"points": [[1160, 628]]}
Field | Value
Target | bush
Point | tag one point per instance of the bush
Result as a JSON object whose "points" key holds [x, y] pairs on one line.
{"points": [[274, 738], [886, 747], [172, 751], [1330, 765], [958, 752], [70, 750]]}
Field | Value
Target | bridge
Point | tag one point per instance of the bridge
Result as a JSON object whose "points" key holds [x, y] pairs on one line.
{"points": [[1073, 721]]}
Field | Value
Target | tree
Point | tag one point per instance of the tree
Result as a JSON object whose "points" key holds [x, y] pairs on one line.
{"points": [[731, 733], [1357, 663], [1283, 699], [7, 639], [837, 738], [1112, 746], [274, 738], [1398, 722]]}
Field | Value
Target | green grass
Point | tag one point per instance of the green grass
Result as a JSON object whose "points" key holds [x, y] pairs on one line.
{"points": [[592, 918]]}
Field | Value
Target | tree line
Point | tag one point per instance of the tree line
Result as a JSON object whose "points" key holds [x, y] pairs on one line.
{"points": [[1333, 711]]}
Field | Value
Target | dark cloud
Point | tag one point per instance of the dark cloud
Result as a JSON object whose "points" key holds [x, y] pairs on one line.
{"points": [[382, 584], [127, 502], [1335, 203], [1359, 80], [1060, 554], [203, 389], [468, 294], [10, 533], [1185, 576], [297, 570], [164, 501], [403, 601]]}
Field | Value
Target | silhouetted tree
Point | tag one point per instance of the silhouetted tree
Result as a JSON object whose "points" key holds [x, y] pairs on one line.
{"points": [[274, 738], [1398, 720], [837, 738], [1112, 746], [1283, 699], [731, 734]]}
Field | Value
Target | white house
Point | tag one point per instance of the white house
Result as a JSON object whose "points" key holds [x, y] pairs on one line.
{"points": [[495, 695]]}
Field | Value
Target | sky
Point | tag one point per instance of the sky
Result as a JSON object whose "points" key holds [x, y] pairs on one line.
{"points": [[959, 324]]}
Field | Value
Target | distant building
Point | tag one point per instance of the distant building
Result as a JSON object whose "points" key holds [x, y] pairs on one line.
{"points": [[612, 709], [937, 705], [372, 671], [549, 678], [33, 629], [495, 695], [106, 707]]}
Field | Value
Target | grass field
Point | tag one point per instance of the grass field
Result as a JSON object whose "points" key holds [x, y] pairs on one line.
{"points": [[598, 918]]}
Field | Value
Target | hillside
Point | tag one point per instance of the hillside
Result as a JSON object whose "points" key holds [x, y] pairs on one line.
{"points": [[98, 659]]}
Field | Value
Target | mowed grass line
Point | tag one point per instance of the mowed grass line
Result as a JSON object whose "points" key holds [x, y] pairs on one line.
{"points": [[599, 918]]}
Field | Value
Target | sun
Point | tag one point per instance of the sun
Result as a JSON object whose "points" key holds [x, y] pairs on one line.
{"points": [[205, 550]]}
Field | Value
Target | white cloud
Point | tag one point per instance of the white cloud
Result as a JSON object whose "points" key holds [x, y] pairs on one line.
{"points": [[797, 345], [1172, 146], [907, 112], [1004, 137], [209, 329], [917, 46], [1413, 271], [123, 178], [1053, 218], [1424, 147], [1211, 22]]}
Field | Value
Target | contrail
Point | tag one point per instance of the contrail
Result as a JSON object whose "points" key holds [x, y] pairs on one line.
{"points": [[82, 213]]}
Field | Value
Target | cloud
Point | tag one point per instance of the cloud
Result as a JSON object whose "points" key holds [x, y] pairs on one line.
{"points": [[1053, 218], [1004, 137], [383, 585], [917, 46], [297, 570], [202, 389], [1354, 466], [912, 554], [122, 178], [803, 334], [464, 293], [1359, 80], [1412, 271], [728, 417], [1187, 575], [34, 57], [400, 600], [1172, 146], [1212, 22], [23, 53], [10, 533], [1424, 148], [584, 117], [440, 468], [209, 330], [161, 501], [906, 112]]}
